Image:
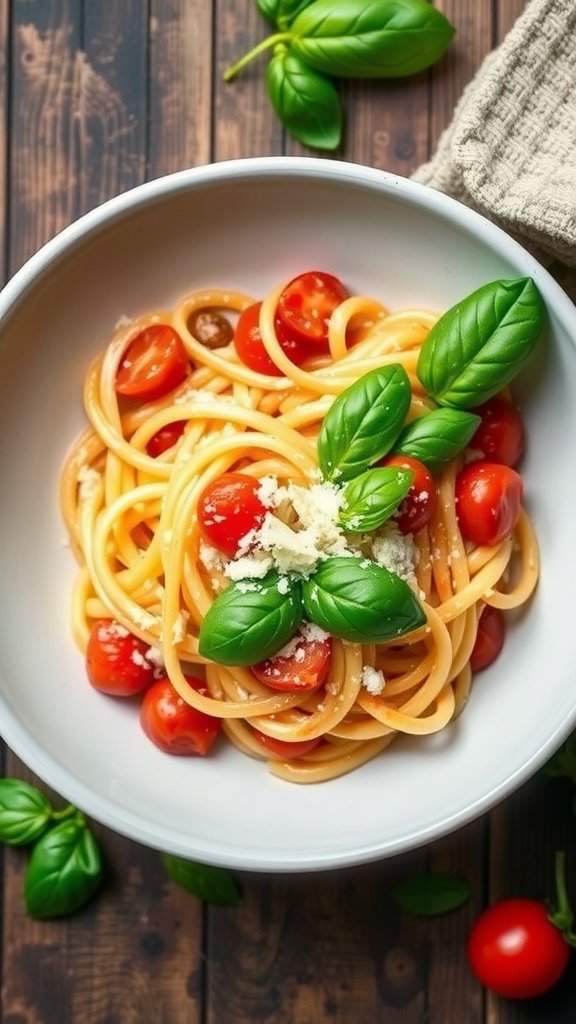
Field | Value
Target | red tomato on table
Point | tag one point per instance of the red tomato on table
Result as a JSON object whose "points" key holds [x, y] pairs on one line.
{"points": [[172, 724], [228, 509], [116, 661], [488, 501], [154, 363], [308, 301], [514, 950]]}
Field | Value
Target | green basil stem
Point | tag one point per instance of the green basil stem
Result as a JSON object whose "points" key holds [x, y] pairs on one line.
{"points": [[562, 916], [266, 44], [69, 812]]}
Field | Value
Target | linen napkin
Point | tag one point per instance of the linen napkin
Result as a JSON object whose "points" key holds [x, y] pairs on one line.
{"points": [[510, 151]]}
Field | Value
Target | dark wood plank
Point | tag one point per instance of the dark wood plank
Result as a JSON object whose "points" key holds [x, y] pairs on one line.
{"points": [[4, 131]]}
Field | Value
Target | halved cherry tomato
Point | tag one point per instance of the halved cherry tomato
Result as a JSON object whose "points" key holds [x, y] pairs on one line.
{"points": [[421, 502], [489, 638], [514, 950], [304, 665], [488, 501], [154, 363], [250, 347], [173, 724], [116, 661], [500, 435], [228, 509], [165, 438], [308, 301], [286, 750]]}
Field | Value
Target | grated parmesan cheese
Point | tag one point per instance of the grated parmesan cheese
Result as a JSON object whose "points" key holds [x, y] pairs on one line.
{"points": [[397, 553], [89, 481], [373, 680]]}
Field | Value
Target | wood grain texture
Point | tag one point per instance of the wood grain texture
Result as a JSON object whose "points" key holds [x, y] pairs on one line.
{"points": [[97, 97]]}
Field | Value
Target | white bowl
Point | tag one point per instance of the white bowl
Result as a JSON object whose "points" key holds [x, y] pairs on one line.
{"points": [[251, 224]]}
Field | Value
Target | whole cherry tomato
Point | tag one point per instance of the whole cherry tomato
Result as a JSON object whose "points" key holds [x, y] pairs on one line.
{"points": [[228, 509], [308, 301], [304, 665], [500, 435], [172, 724], [154, 363], [116, 661], [515, 950], [165, 438], [488, 501], [419, 505], [250, 347], [489, 638], [286, 750]]}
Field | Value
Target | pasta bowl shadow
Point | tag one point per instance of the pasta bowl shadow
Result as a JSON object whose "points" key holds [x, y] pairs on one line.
{"points": [[250, 225]]}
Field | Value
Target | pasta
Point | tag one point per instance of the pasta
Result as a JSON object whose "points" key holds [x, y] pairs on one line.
{"points": [[146, 565]]}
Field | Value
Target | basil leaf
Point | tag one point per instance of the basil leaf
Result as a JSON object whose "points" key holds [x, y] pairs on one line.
{"points": [[210, 884], [363, 422], [281, 12], [371, 498], [371, 38], [24, 812], [437, 437], [250, 621], [563, 762], [358, 600], [481, 343], [428, 894], [306, 102], [64, 870]]}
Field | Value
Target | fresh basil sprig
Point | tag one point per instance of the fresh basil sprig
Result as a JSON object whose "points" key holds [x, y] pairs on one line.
{"points": [[360, 601], [281, 12], [363, 422], [64, 870], [206, 881], [371, 38], [371, 498], [437, 437], [306, 101], [250, 621], [481, 343], [341, 38], [428, 895], [25, 812]]}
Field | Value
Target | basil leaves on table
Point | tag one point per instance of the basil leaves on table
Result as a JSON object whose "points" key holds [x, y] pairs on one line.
{"points": [[437, 437], [24, 812], [363, 422], [480, 344], [64, 870], [341, 39], [360, 601], [428, 895], [306, 101], [250, 621], [209, 883]]}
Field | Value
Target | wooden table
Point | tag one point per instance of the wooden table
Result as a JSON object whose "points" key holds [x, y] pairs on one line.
{"points": [[95, 97]]}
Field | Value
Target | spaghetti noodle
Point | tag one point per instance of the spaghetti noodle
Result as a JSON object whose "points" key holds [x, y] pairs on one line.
{"points": [[145, 564]]}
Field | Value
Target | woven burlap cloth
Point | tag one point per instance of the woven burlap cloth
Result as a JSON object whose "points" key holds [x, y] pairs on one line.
{"points": [[510, 151]]}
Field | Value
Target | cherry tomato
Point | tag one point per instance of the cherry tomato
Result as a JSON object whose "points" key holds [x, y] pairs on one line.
{"points": [[154, 363], [286, 750], [308, 301], [489, 638], [228, 509], [250, 347], [500, 435], [172, 724], [515, 951], [116, 661], [488, 499], [421, 502], [165, 438], [304, 665]]}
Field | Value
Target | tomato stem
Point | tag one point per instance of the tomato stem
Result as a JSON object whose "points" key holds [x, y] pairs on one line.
{"points": [[562, 916], [266, 44]]}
